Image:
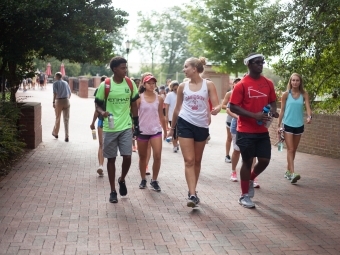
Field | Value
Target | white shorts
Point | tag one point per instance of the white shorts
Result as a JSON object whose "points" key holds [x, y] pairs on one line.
{"points": [[236, 148]]}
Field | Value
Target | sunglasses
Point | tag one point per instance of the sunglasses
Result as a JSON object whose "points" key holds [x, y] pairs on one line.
{"points": [[258, 62]]}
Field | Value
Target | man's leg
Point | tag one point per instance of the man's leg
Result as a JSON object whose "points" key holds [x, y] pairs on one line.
{"points": [[66, 116], [58, 109], [111, 171]]}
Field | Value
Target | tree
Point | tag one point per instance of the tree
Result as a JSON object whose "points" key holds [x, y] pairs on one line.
{"points": [[75, 30]]}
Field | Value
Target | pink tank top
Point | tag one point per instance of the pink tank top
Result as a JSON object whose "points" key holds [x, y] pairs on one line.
{"points": [[148, 117]]}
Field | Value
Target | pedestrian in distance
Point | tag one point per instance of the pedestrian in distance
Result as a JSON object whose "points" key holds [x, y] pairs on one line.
{"points": [[96, 116], [191, 115], [113, 99], [291, 116], [61, 104], [249, 97], [151, 123]]}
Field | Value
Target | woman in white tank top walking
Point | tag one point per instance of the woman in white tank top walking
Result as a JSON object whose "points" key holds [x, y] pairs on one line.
{"points": [[192, 117], [291, 115], [151, 123]]}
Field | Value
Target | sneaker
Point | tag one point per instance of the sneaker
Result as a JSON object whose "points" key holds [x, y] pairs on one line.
{"points": [[192, 201], [251, 191], [227, 159], [142, 185], [100, 171], [287, 175], [134, 148], [122, 187], [175, 149], [155, 186], [246, 202], [256, 184], [198, 199], [113, 197], [233, 176], [294, 178]]}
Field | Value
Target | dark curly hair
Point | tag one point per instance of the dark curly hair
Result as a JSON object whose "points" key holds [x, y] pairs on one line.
{"points": [[116, 61]]}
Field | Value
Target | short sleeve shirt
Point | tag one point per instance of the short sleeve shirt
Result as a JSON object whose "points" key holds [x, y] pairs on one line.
{"points": [[252, 95], [118, 104], [171, 100]]}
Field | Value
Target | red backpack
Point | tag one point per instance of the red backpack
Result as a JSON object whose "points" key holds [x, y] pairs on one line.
{"points": [[108, 86]]}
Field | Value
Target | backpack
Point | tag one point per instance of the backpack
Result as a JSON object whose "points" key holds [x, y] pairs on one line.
{"points": [[108, 87]]}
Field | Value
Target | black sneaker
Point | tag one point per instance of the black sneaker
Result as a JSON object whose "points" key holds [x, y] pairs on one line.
{"points": [[142, 185], [155, 186], [122, 187], [198, 200], [113, 197], [192, 201]]}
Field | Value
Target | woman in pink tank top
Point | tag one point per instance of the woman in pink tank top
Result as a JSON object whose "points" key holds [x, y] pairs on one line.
{"points": [[151, 123]]}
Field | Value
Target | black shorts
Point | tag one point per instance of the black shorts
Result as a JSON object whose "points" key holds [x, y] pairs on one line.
{"points": [[188, 130], [254, 145], [41, 82], [294, 130], [175, 136]]}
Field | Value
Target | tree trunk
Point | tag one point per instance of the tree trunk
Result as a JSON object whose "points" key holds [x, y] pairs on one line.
{"points": [[13, 80]]}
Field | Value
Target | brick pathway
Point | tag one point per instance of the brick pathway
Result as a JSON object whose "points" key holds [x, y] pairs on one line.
{"points": [[53, 202]]}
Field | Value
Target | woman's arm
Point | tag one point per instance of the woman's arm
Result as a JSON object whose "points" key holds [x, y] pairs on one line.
{"points": [[283, 107], [226, 100], [231, 113], [213, 98], [308, 109], [95, 116], [178, 106], [161, 116]]}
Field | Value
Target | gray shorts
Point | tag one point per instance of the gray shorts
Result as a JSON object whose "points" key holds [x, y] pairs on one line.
{"points": [[112, 141]]}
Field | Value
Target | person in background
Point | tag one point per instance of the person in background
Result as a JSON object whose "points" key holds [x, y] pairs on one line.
{"points": [[291, 115], [192, 119], [134, 145], [61, 104], [96, 116], [150, 111], [170, 104], [248, 99]]}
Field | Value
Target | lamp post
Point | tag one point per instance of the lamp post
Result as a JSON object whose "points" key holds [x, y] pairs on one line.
{"points": [[127, 46]]}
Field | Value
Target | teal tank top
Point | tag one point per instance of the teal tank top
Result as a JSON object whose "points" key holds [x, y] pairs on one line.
{"points": [[293, 115]]}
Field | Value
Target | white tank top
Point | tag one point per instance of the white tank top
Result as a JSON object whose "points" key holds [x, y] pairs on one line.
{"points": [[195, 105]]}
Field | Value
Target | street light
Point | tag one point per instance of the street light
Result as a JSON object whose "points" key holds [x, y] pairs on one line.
{"points": [[127, 46]]}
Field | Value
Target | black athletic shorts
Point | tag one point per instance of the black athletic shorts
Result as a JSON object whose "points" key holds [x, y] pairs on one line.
{"points": [[254, 145], [188, 130], [294, 130]]}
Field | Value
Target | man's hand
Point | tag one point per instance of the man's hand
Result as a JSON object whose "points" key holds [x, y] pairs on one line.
{"points": [[104, 114], [261, 116], [275, 114], [54, 105], [136, 131], [92, 126]]}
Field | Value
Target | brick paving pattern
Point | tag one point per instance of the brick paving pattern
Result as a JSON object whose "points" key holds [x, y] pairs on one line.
{"points": [[53, 202]]}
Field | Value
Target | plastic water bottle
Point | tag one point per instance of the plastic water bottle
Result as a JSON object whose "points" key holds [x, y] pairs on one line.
{"points": [[168, 139], [280, 146], [266, 109], [111, 121], [94, 134]]}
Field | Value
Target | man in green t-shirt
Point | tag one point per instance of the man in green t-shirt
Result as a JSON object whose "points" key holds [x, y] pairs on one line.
{"points": [[119, 135]]}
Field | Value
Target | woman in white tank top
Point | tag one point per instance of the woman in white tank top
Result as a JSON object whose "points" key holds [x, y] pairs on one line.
{"points": [[192, 116]]}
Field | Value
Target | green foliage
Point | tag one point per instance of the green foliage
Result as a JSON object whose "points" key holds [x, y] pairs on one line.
{"points": [[10, 145]]}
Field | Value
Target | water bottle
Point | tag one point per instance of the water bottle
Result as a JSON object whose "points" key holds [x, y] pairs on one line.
{"points": [[280, 146], [94, 134], [266, 109], [111, 121], [168, 139]]}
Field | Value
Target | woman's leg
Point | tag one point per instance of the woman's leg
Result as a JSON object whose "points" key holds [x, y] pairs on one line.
{"points": [[148, 156], [296, 141], [235, 157], [228, 144], [188, 152], [142, 152], [156, 144], [199, 148], [290, 151], [100, 149]]}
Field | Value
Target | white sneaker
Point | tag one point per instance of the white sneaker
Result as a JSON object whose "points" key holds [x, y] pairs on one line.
{"points": [[100, 170], [233, 176], [227, 159], [175, 149]]}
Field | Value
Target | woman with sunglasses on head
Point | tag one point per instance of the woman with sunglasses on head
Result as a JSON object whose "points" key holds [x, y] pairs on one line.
{"points": [[151, 123], [191, 115], [291, 115]]}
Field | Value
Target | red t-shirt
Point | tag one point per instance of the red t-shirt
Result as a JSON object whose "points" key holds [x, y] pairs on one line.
{"points": [[252, 95]]}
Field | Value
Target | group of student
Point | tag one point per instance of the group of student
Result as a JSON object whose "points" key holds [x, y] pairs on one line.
{"points": [[39, 80], [143, 114]]}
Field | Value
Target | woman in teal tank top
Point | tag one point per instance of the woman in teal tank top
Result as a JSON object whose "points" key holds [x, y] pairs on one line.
{"points": [[291, 115]]}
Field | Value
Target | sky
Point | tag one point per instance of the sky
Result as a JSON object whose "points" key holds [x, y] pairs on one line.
{"points": [[132, 7]]}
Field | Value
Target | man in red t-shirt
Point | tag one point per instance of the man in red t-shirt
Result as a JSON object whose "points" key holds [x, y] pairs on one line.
{"points": [[249, 97]]}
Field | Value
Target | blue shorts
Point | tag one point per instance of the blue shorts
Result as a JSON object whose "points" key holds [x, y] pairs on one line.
{"points": [[100, 123]]}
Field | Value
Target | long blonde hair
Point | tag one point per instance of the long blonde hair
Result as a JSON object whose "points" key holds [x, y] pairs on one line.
{"points": [[289, 85]]}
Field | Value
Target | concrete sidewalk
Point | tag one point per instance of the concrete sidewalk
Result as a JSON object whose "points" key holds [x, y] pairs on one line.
{"points": [[53, 202]]}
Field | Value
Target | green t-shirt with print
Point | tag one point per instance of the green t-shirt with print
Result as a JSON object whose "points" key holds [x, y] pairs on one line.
{"points": [[118, 104]]}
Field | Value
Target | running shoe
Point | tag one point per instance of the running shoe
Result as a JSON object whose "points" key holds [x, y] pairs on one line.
{"points": [[233, 176], [251, 191], [288, 175], [142, 185], [122, 187], [113, 197], [294, 178], [227, 159], [155, 186], [198, 199], [192, 201], [256, 184], [246, 202], [100, 171], [174, 149]]}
